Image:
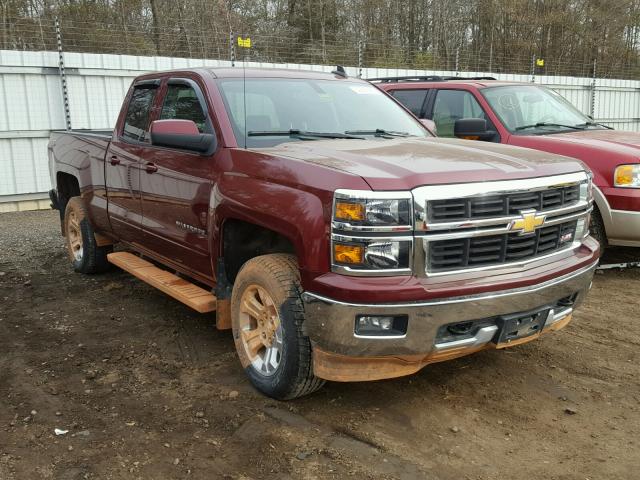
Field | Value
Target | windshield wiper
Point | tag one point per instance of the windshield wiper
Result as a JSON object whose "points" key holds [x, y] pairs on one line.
{"points": [[549, 124], [594, 124], [300, 134], [378, 132]]}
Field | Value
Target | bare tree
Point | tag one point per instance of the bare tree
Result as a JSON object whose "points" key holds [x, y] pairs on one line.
{"points": [[496, 35]]}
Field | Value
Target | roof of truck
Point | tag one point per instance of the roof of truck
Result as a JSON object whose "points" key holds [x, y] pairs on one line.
{"points": [[239, 72]]}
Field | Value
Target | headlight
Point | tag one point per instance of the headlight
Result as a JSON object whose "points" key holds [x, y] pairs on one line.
{"points": [[377, 210], [586, 189], [627, 176], [371, 254], [369, 234]]}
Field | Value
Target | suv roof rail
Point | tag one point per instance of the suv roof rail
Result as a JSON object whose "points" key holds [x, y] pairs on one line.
{"points": [[426, 78], [469, 78], [411, 78]]}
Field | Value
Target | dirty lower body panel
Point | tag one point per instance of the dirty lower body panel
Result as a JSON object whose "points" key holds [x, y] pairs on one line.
{"points": [[357, 342]]}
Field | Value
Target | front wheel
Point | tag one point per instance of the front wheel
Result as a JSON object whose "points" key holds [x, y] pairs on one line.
{"points": [[85, 254], [267, 317], [597, 229]]}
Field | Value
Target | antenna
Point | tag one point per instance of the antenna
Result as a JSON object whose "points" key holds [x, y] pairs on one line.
{"points": [[244, 96], [245, 43], [339, 71]]}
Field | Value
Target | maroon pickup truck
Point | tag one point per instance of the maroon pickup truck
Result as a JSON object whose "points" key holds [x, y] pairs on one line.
{"points": [[528, 115], [324, 224]]}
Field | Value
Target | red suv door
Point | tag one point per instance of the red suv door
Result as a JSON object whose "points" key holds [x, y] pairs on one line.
{"points": [[449, 105]]}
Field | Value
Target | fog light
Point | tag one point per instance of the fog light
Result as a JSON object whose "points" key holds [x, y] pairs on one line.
{"points": [[379, 325]]}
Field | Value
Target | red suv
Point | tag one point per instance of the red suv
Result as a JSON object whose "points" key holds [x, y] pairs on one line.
{"points": [[529, 115]]}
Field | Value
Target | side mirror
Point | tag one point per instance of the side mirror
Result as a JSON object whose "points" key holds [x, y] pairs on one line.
{"points": [[430, 125], [181, 134], [472, 129]]}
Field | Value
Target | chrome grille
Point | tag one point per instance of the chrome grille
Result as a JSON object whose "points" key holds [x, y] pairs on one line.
{"points": [[495, 249], [499, 224], [486, 206]]}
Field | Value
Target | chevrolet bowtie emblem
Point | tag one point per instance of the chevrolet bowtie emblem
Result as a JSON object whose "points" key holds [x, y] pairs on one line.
{"points": [[528, 223]]}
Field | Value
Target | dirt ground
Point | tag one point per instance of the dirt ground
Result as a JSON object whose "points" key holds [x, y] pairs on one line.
{"points": [[148, 389]]}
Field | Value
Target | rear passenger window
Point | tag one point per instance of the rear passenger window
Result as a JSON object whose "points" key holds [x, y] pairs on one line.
{"points": [[412, 99], [181, 103], [136, 122]]}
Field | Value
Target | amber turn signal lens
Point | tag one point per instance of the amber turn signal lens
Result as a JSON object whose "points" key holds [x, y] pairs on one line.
{"points": [[353, 254], [349, 211], [624, 175]]}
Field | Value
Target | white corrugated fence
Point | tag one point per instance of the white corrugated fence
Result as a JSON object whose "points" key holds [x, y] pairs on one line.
{"points": [[31, 104]]}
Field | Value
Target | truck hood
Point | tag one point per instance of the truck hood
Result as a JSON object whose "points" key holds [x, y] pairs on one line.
{"points": [[613, 141], [406, 163]]}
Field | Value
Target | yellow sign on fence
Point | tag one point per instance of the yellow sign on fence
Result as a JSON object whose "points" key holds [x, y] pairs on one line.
{"points": [[540, 62], [244, 42]]}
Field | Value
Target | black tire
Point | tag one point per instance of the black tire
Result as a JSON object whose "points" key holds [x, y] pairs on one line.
{"points": [[278, 275], [596, 228], [85, 255]]}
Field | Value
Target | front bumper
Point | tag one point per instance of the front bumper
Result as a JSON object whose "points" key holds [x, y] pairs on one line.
{"points": [[342, 356]]}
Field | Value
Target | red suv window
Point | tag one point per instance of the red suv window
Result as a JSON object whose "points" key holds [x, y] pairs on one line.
{"points": [[452, 105], [414, 100]]}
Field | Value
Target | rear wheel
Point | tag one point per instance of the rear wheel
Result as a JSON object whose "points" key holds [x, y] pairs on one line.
{"points": [[267, 317], [85, 255]]}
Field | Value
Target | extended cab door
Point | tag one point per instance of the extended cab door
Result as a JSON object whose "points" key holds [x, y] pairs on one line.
{"points": [[122, 162], [176, 185]]}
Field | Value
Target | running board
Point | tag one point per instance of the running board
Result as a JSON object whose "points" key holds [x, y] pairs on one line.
{"points": [[186, 292]]}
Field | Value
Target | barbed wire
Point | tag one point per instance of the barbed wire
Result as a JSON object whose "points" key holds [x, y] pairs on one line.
{"points": [[38, 34]]}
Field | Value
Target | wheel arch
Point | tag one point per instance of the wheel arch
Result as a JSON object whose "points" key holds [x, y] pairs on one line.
{"points": [[604, 209], [251, 218], [242, 240], [67, 186]]}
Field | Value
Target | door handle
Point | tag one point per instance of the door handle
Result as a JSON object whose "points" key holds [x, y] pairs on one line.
{"points": [[114, 160], [151, 167]]}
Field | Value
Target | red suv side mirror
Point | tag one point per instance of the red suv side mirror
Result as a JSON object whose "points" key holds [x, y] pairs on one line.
{"points": [[472, 129], [182, 134]]}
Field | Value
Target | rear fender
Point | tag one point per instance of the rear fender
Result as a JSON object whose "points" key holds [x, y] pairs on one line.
{"points": [[82, 156]]}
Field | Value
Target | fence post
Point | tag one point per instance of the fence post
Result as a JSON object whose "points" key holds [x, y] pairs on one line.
{"points": [[533, 68], [63, 76], [491, 54], [593, 90], [360, 53], [232, 49], [457, 61]]}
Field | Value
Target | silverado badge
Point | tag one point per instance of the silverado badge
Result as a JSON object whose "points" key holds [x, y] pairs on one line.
{"points": [[529, 221]]}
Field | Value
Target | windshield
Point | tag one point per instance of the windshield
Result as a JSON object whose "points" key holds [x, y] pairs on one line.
{"points": [[281, 110], [529, 109]]}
